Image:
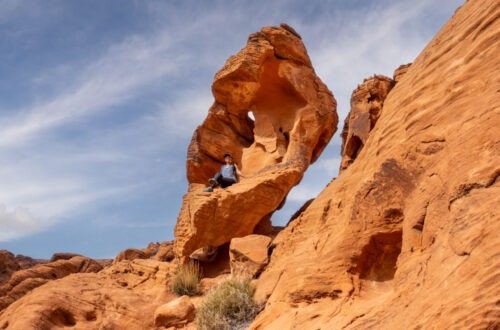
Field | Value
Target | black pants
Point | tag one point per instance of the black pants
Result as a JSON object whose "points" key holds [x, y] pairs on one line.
{"points": [[224, 182]]}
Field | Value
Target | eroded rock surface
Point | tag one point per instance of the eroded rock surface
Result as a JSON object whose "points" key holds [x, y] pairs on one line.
{"points": [[272, 78], [23, 281], [407, 237], [122, 296], [249, 255], [176, 313], [367, 102], [8, 265]]}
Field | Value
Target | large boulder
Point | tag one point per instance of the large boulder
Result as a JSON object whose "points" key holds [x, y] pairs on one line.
{"points": [[292, 119], [249, 255], [407, 236]]}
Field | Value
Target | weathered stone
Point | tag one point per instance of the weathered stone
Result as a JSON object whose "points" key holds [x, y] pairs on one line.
{"points": [[407, 237], [131, 254], [122, 296], [165, 252], [175, 313], [23, 281], [63, 256], [8, 265], [295, 117], [367, 102], [400, 72], [249, 255]]}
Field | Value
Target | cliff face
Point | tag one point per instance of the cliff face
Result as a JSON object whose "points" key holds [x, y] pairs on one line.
{"points": [[407, 236]]}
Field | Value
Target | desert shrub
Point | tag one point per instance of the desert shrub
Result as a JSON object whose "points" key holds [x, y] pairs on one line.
{"points": [[187, 280], [227, 307]]}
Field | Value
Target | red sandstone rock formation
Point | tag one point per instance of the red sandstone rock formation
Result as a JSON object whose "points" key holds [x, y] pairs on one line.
{"points": [[249, 255], [272, 77], [8, 265], [407, 238], [367, 102], [122, 296], [23, 281], [176, 313], [400, 72]]}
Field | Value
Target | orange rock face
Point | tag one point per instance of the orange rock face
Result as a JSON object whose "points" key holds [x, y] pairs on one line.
{"points": [[407, 236], [249, 255], [295, 117], [367, 102]]}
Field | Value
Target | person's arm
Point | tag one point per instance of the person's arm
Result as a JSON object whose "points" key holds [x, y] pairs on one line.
{"points": [[238, 171]]}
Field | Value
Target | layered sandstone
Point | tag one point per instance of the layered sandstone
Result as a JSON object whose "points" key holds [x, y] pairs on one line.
{"points": [[293, 120], [407, 236]]}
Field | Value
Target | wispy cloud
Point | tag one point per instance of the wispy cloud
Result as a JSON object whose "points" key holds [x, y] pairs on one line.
{"points": [[109, 81]]}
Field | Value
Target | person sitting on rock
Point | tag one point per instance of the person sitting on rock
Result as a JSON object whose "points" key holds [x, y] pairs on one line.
{"points": [[228, 174]]}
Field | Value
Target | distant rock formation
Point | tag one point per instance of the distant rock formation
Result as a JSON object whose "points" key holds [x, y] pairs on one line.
{"points": [[367, 102], [78, 292], [8, 265], [23, 281], [273, 79], [407, 237]]}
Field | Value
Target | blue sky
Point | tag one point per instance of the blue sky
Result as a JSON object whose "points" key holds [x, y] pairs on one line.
{"points": [[99, 99]]}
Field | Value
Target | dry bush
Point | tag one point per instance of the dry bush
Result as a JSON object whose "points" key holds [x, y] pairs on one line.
{"points": [[187, 280], [227, 307]]}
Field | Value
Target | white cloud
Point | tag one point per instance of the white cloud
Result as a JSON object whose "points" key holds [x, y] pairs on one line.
{"points": [[16, 223]]}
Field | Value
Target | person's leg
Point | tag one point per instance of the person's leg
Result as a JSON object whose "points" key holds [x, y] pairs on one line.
{"points": [[226, 182], [215, 181]]}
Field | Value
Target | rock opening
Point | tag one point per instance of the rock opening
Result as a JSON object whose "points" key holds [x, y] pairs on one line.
{"points": [[379, 257]]}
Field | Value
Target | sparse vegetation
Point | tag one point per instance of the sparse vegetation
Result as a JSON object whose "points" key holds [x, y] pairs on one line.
{"points": [[227, 307], [187, 280]]}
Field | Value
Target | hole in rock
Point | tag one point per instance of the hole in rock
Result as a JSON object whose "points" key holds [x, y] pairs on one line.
{"points": [[61, 317], [220, 265], [251, 115], [379, 257], [5, 325], [353, 146]]}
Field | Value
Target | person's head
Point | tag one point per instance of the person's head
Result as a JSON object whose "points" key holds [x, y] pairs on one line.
{"points": [[228, 158]]}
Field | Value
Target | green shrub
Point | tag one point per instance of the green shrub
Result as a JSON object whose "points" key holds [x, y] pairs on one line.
{"points": [[228, 306], [187, 280]]}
